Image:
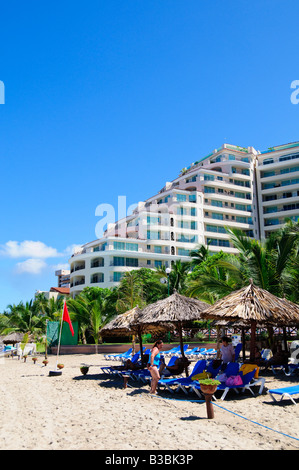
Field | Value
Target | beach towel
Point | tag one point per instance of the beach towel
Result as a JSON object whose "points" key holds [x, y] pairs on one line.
{"points": [[245, 368]]}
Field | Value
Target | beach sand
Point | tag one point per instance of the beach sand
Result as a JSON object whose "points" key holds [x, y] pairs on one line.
{"points": [[95, 412]]}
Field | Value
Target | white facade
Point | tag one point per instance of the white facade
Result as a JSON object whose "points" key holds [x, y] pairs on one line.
{"points": [[226, 188]]}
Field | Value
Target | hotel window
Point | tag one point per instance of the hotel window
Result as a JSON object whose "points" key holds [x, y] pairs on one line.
{"points": [[132, 246], [117, 276], [193, 211], [96, 278], [181, 197], [132, 262], [181, 211], [241, 220], [268, 161], [183, 252], [158, 264], [158, 249], [192, 198], [215, 215], [118, 261], [216, 203], [207, 189], [153, 220], [119, 245], [151, 235]]}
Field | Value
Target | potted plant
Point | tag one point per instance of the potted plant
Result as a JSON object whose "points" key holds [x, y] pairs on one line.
{"points": [[34, 360], [60, 366], [84, 369], [45, 362], [209, 386]]}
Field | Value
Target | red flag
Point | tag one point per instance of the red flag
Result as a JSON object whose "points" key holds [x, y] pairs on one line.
{"points": [[66, 317]]}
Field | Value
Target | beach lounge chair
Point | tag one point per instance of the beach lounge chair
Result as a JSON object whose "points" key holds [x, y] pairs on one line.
{"points": [[115, 357], [179, 353], [285, 392], [114, 371], [238, 350], [232, 368], [198, 354], [144, 374], [191, 352], [171, 351], [248, 382], [183, 381], [209, 353]]}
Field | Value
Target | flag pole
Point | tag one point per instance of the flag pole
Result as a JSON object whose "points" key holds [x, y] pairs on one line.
{"points": [[59, 336]]}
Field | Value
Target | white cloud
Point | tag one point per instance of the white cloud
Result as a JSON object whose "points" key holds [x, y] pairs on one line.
{"points": [[31, 266], [28, 249]]}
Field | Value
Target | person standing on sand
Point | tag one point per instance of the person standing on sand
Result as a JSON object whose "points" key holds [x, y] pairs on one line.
{"points": [[226, 352], [153, 365]]}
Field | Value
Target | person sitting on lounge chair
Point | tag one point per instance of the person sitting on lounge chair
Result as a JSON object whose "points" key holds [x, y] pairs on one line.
{"points": [[177, 368], [129, 365], [278, 359]]}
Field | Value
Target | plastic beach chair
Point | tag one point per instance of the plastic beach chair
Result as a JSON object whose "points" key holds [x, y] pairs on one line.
{"points": [[115, 357], [184, 381], [238, 350], [285, 392], [191, 352], [111, 370], [171, 351]]}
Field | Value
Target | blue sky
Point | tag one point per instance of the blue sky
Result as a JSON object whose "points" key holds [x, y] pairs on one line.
{"points": [[114, 97]]}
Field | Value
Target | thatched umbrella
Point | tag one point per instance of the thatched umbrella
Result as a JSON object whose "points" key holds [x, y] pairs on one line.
{"points": [[254, 306], [175, 309], [127, 323], [13, 338]]}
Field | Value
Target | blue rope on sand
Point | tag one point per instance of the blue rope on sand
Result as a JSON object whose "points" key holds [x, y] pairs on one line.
{"points": [[255, 422], [240, 416]]}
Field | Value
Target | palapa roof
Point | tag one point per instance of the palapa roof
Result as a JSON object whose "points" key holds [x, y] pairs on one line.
{"points": [[13, 338], [253, 303], [128, 323], [175, 308], [123, 323]]}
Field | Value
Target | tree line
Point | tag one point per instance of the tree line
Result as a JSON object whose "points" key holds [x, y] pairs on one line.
{"points": [[272, 264]]}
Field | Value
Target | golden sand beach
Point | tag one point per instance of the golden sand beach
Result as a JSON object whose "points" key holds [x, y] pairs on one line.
{"points": [[95, 412]]}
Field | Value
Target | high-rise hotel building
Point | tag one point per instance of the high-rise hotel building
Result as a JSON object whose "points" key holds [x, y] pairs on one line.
{"points": [[233, 186]]}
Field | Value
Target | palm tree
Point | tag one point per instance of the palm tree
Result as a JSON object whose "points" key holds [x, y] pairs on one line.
{"points": [[92, 309], [23, 318], [211, 280], [177, 276], [270, 263], [199, 255], [130, 292]]}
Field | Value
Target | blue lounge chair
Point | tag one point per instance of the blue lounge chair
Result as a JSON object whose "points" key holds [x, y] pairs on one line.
{"points": [[199, 353], [171, 351], [238, 350], [114, 371], [191, 352], [246, 385], [184, 381], [232, 368], [144, 374], [115, 357], [208, 353], [285, 392]]}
